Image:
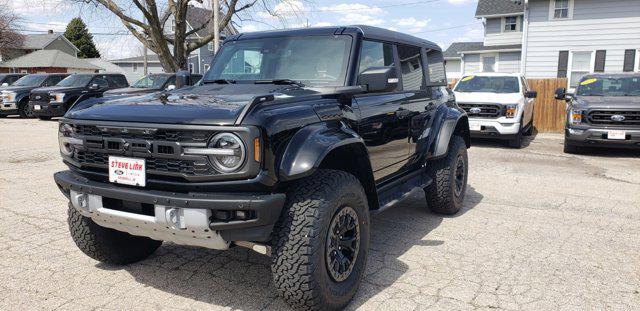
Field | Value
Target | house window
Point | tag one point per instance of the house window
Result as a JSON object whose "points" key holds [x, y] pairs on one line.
{"points": [[210, 46], [581, 65], [489, 63], [561, 9], [510, 24]]}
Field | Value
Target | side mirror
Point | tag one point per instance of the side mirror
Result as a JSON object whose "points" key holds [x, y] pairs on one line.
{"points": [[182, 79], [379, 79], [561, 94], [531, 94], [171, 87], [5, 84], [94, 87]]}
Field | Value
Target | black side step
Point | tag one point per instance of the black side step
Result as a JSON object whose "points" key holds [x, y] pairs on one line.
{"points": [[391, 193]]}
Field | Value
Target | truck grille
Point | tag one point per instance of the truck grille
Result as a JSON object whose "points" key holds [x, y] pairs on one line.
{"points": [[614, 117], [161, 149], [486, 110]]}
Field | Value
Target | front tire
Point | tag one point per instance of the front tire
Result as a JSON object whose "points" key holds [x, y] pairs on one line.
{"points": [[570, 149], [24, 111], [44, 118], [108, 245], [449, 179], [320, 243]]}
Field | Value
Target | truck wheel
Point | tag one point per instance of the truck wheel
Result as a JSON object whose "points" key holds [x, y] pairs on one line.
{"points": [[44, 118], [24, 111], [320, 243], [571, 149], [517, 141], [108, 245], [449, 179]]}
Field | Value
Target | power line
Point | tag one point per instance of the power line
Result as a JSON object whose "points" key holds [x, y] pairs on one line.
{"points": [[358, 9]]}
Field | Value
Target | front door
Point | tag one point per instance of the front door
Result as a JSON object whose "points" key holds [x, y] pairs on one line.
{"points": [[384, 121]]}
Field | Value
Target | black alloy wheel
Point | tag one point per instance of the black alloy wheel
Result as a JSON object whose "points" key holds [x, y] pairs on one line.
{"points": [[343, 243]]}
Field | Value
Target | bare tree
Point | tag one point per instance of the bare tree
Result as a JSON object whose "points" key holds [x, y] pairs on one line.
{"points": [[146, 20], [9, 36]]}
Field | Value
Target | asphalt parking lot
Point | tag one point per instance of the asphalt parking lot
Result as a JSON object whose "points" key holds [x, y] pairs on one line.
{"points": [[540, 230]]}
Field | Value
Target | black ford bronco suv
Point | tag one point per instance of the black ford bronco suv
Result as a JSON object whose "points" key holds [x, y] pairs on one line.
{"points": [[604, 111], [291, 141], [54, 101]]}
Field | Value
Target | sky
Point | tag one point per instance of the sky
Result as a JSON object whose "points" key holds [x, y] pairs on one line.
{"points": [[440, 21]]}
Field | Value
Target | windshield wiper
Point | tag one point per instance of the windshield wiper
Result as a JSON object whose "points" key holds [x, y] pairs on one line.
{"points": [[280, 81], [220, 81]]}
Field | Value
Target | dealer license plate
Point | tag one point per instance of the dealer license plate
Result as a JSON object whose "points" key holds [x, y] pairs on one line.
{"points": [[127, 171], [475, 126], [36, 107], [617, 135]]}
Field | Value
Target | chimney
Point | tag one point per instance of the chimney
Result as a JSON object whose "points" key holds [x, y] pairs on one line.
{"points": [[50, 31]]}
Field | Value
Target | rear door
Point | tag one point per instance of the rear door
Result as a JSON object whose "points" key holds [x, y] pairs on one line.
{"points": [[383, 124]]}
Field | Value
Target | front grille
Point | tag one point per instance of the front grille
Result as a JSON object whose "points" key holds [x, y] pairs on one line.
{"points": [[39, 97], [614, 117], [161, 149], [486, 110]]}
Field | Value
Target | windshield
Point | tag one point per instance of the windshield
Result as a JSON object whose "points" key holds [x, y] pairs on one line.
{"points": [[151, 82], [478, 84], [30, 80], [75, 80], [313, 60], [610, 86]]}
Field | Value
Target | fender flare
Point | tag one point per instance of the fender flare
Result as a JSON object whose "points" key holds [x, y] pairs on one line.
{"points": [[447, 121], [311, 144]]}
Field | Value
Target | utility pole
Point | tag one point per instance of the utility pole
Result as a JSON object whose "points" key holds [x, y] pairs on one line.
{"points": [[216, 25], [144, 56]]}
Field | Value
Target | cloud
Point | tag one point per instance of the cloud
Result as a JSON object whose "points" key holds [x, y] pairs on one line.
{"points": [[356, 13], [48, 8], [412, 24], [114, 47]]}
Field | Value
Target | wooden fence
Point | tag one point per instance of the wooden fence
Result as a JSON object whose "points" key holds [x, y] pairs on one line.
{"points": [[549, 113]]}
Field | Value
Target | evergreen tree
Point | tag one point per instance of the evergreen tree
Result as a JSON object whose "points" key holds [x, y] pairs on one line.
{"points": [[79, 35]]}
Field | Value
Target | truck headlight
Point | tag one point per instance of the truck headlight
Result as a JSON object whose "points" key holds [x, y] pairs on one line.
{"points": [[575, 117], [512, 111], [57, 98], [8, 97], [231, 153], [67, 142]]}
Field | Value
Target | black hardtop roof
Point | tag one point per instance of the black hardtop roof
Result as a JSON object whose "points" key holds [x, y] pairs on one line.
{"points": [[368, 32], [97, 73]]}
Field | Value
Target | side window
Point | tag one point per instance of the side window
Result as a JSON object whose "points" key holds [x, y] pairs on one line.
{"points": [[116, 81], [437, 73], [100, 81], [171, 81], [375, 54], [411, 65]]}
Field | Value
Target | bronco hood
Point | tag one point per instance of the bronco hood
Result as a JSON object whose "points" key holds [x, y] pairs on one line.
{"points": [[214, 104], [130, 91]]}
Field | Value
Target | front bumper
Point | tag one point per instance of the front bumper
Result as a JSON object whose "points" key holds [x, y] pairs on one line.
{"points": [[47, 109], [494, 128], [182, 218], [598, 137], [8, 108]]}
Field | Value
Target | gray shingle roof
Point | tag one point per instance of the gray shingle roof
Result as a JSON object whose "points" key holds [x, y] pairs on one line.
{"points": [[47, 59], [40, 41], [499, 7], [198, 16], [456, 48], [151, 58]]}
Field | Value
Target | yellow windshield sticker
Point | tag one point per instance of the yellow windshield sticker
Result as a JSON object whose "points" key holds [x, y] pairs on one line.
{"points": [[465, 79], [588, 81]]}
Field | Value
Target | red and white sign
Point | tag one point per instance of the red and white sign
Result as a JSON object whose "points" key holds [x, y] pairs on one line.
{"points": [[127, 171]]}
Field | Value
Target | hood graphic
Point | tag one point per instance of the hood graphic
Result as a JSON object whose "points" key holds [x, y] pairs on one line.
{"points": [[214, 104]]}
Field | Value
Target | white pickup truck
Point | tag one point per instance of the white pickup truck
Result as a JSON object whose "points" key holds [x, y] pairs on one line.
{"points": [[499, 106]]}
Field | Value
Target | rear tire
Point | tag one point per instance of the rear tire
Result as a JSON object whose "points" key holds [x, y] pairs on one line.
{"points": [[108, 245], [314, 230], [449, 179]]}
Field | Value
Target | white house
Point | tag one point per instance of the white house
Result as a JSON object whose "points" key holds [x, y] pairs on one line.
{"points": [[552, 38]]}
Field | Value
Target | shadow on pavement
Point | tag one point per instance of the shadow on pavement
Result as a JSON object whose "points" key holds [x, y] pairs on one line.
{"points": [[241, 279], [500, 143]]}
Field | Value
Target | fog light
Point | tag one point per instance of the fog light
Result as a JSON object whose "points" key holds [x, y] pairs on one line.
{"points": [[242, 215], [575, 132], [223, 215]]}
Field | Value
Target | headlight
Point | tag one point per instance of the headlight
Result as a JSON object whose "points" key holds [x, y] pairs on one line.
{"points": [[66, 141], [575, 117], [512, 111], [8, 97], [231, 153], [57, 97]]}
